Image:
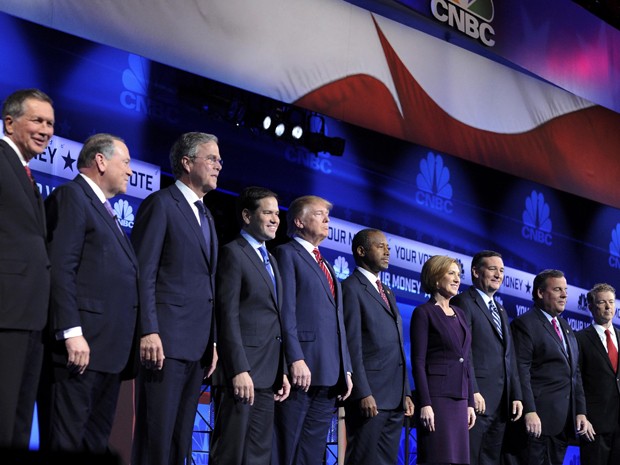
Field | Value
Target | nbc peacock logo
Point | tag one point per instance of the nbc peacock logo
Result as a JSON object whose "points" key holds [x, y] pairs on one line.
{"points": [[137, 86], [124, 213], [433, 182], [341, 268], [536, 219], [471, 17], [614, 247]]}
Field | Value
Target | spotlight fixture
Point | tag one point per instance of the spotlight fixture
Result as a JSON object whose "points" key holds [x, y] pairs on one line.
{"points": [[297, 132], [279, 129]]}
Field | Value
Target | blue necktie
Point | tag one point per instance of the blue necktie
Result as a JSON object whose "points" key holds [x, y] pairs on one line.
{"points": [[263, 251], [496, 318], [204, 224]]}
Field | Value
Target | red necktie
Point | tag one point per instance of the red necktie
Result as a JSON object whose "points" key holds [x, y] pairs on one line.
{"points": [[323, 267], [29, 173], [612, 351], [382, 292]]}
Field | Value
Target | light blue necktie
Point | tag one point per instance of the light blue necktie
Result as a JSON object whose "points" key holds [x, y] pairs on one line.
{"points": [[263, 251]]}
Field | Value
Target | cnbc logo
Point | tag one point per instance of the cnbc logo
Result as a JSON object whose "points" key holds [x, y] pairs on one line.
{"points": [[614, 247], [536, 221], [136, 98], [124, 213], [341, 268], [471, 17], [433, 181]]}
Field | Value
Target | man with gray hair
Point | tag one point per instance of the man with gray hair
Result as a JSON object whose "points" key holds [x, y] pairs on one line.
{"points": [[28, 120], [176, 244], [94, 299]]}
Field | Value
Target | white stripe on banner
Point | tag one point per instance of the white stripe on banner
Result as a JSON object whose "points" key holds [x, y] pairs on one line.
{"points": [[60, 159], [411, 255]]}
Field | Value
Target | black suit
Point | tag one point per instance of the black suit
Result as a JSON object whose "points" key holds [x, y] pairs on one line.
{"points": [[550, 381], [249, 340], [24, 297], [496, 376], [177, 279], [95, 287], [375, 340], [602, 390]]}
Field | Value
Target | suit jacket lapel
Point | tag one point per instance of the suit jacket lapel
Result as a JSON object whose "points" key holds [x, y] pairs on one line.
{"points": [[31, 192], [249, 251], [309, 259], [596, 342], [190, 217], [111, 222], [484, 309]]}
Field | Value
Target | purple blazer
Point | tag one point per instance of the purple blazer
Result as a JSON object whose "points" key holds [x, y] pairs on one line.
{"points": [[439, 356]]}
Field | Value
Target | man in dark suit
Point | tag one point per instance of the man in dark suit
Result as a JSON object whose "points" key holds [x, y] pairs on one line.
{"points": [[598, 361], [94, 304], [28, 119], [250, 373], [314, 337], [381, 397], [497, 392], [176, 243], [547, 356]]}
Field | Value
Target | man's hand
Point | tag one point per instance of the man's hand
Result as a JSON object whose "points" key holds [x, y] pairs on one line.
{"points": [[349, 388], [213, 362], [284, 391], [584, 428], [152, 352], [300, 374], [533, 426], [368, 406], [517, 410], [409, 407], [78, 353], [243, 388], [479, 403]]}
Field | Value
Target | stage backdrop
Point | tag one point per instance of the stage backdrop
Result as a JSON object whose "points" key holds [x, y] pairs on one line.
{"points": [[427, 200]]}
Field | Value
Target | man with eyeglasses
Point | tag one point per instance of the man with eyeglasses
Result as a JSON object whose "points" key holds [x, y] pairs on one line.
{"points": [[176, 243], [598, 360]]}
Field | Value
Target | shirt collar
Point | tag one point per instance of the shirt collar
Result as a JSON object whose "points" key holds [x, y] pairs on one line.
{"points": [[189, 194], [98, 192]]}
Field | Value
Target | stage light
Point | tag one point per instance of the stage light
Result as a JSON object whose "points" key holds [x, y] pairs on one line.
{"points": [[297, 132], [267, 122], [279, 129]]}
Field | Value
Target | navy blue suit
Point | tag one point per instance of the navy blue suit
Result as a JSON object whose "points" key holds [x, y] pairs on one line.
{"points": [[496, 375], [249, 339], [24, 297], [550, 376], [375, 340], [177, 278], [314, 332], [95, 287]]}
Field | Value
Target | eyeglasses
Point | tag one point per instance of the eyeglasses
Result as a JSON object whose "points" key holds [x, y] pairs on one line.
{"points": [[211, 160]]}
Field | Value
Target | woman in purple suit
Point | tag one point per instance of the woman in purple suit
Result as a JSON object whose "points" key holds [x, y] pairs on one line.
{"points": [[440, 351]]}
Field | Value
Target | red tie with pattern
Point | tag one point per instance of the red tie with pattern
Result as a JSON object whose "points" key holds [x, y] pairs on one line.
{"points": [[323, 267], [612, 351], [382, 292]]}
